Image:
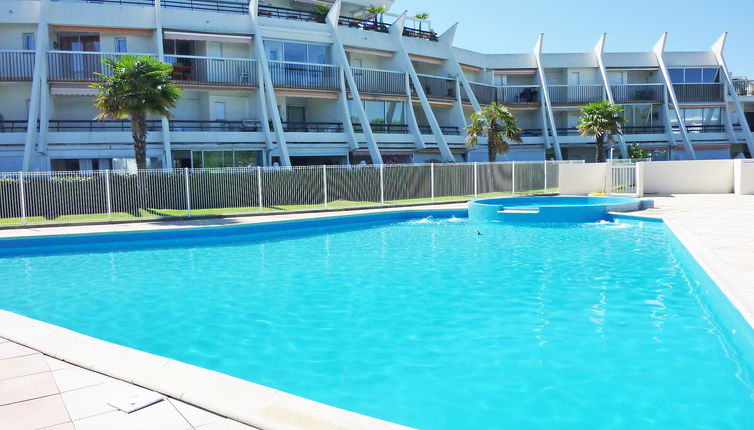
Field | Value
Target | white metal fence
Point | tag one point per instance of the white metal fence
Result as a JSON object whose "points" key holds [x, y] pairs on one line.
{"points": [[623, 178], [100, 196]]}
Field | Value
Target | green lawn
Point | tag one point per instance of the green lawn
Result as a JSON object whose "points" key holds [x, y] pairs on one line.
{"points": [[154, 213]]}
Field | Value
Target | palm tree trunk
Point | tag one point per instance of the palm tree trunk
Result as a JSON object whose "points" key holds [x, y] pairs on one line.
{"points": [[599, 148], [139, 134], [491, 150]]}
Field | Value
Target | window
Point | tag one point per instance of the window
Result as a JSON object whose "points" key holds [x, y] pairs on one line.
{"points": [[694, 75], [297, 52], [120, 44], [218, 159], [28, 42], [219, 111], [384, 112], [700, 120]]}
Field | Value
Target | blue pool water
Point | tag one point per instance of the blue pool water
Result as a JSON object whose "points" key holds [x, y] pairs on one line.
{"points": [[420, 321]]}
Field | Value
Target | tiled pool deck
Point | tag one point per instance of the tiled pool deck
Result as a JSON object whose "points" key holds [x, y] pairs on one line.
{"points": [[38, 391]]}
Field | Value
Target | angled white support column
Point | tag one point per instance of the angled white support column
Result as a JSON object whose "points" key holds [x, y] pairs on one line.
{"points": [[447, 38], [718, 49], [345, 114], [40, 59], [546, 96], [659, 50], [545, 128], [599, 51], [45, 110], [165, 122], [666, 120], [396, 31], [413, 124], [340, 57], [265, 80], [262, 106]]}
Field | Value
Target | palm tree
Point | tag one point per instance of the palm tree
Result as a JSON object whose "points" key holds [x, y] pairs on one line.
{"points": [[499, 125], [601, 120], [421, 17], [377, 11], [139, 86]]}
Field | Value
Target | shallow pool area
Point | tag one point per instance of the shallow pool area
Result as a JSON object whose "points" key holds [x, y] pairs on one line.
{"points": [[552, 208], [427, 319]]}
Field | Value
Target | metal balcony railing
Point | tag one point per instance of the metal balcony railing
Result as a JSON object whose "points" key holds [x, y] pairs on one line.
{"points": [[235, 72], [518, 94], [420, 34], [13, 126], [219, 6], [214, 126], [569, 131], [305, 75], [575, 94], [437, 86], [120, 2], [637, 93], [485, 94], [446, 130], [56, 125], [691, 93], [530, 132], [647, 129], [293, 14], [698, 128], [744, 87], [384, 128], [78, 66], [372, 81], [16, 65], [312, 127], [363, 24]]}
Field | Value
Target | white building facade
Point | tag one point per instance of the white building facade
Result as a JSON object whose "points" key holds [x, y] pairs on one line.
{"points": [[286, 82]]}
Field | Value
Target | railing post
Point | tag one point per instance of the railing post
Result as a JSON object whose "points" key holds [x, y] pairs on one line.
{"points": [[382, 184], [513, 178], [259, 187], [544, 190], [107, 196], [324, 184], [432, 180], [21, 197], [476, 181], [188, 191]]}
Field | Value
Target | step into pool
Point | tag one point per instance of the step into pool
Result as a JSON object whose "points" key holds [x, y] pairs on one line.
{"points": [[552, 208], [427, 319]]}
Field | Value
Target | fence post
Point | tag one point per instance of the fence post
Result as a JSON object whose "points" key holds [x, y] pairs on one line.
{"points": [[382, 184], [432, 180], [324, 183], [259, 187], [544, 191], [513, 178], [476, 181], [188, 191], [107, 196], [21, 197]]}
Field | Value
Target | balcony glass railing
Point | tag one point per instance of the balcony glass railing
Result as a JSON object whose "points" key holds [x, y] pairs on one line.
{"points": [[691, 93], [214, 126], [744, 87], [16, 65], [12, 126], [372, 81], [437, 86], [699, 128], [313, 127], [575, 94], [219, 6], [363, 24], [637, 93], [292, 14], [446, 130], [645, 129], [305, 75], [120, 2], [235, 72], [530, 132], [383, 128]]}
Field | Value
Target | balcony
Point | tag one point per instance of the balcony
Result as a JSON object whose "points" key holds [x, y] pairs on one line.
{"points": [[305, 75], [214, 126], [420, 34], [363, 24], [744, 88], [699, 93], [384, 128], [437, 87], [446, 130], [292, 14], [231, 72], [102, 126], [12, 126], [77, 66], [16, 65], [119, 2], [219, 6], [698, 128], [575, 95], [312, 127], [649, 129], [638, 93], [371, 81], [509, 94]]}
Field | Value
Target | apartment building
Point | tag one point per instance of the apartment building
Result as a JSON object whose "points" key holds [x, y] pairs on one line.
{"points": [[284, 82]]}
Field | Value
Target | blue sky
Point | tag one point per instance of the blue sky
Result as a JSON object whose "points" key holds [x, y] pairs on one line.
{"points": [[504, 26]]}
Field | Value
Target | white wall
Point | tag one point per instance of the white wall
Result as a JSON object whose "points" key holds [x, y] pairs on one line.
{"points": [[582, 179], [688, 177], [743, 176], [13, 101], [11, 35]]}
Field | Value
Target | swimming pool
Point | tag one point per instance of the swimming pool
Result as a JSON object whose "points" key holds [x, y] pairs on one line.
{"points": [[436, 323]]}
